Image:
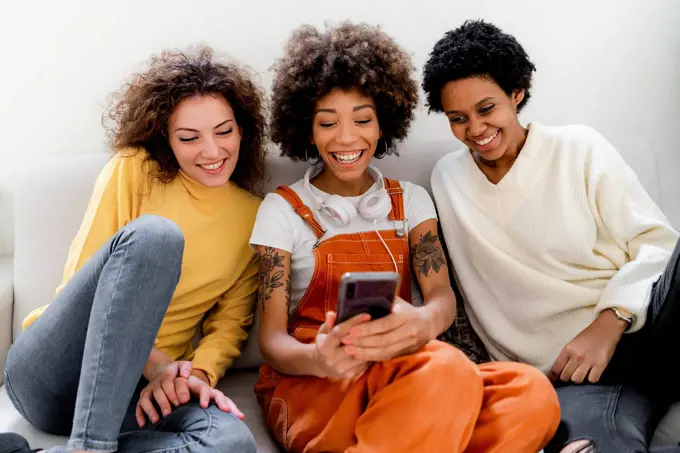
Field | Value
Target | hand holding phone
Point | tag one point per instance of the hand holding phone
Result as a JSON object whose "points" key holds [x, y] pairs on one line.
{"points": [[331, 356], [405, 330], [366, 292]]}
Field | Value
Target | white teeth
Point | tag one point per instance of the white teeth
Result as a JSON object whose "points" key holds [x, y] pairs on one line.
{"points": [[486, 141], [214, 166], [348, 158]]}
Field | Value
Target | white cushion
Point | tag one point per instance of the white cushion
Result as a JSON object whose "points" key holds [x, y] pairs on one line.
{"points": [[49, 206], [12, 421], [50, 200]]}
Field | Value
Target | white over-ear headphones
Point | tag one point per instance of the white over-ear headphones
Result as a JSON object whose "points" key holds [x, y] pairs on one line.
{"points": [[374, 205]]}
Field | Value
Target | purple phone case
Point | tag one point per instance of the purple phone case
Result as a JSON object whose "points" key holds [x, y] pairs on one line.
{"points": [[374, 297]]}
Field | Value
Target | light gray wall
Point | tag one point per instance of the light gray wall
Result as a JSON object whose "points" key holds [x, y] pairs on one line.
{"points": [[614, 65]]}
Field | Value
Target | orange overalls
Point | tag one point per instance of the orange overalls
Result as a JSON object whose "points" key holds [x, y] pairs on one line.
{"points": [[434, 400]]}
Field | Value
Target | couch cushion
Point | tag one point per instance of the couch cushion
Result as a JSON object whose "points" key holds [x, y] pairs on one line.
{"points": [[50, 202], [51, 198], [49, 206], [238, 385], [6, 303], [11, 421]]}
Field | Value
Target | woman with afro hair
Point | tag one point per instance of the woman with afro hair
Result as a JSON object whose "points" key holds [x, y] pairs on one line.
{"points": [[564, 260], [340, 98], [162, 253]]}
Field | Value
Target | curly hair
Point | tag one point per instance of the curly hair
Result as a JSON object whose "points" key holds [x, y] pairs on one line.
{"points": [[139, 114], [348, 56], [477, 49]]}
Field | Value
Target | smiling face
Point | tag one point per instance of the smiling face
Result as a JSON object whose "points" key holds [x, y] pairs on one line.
{"points": [[205, 139], [345, 130], [484, 117]]}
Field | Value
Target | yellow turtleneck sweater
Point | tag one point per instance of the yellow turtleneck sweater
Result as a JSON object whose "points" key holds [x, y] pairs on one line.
{"points": [[219, 272]]}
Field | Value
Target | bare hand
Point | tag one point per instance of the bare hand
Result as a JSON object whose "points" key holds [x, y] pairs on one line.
{"points": [[332, 357], [403, 331], [167, 385], [175, 384], [205, 393], [589, 353]]}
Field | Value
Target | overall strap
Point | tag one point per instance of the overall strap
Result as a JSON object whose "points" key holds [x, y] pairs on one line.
{"points": [[301, 209], [396, 193]]}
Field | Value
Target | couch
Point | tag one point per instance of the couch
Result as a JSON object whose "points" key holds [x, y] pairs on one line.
{"points": [[50, 200]]}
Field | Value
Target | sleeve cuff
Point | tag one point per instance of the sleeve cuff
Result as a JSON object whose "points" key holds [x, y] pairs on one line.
{"points": [[208, 370], [638, 310]]}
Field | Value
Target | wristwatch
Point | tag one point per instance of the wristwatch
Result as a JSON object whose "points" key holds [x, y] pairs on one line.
{"points": [[624, 315]]}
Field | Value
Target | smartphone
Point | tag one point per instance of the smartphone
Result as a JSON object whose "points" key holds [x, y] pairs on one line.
{"points": [[366, 292]]}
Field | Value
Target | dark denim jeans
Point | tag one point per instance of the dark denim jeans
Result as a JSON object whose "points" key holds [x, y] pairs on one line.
{"points": [[76, 369], [620, 414]]}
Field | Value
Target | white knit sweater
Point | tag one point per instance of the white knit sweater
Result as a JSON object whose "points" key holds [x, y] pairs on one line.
{"points": [[568, 232]]}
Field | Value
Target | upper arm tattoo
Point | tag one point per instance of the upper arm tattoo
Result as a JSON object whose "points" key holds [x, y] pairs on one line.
{"points": [[271, 275], [427, 254]]}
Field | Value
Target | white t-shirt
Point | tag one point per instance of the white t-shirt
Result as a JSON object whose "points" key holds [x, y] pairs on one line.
{"points": [[278, 226]]}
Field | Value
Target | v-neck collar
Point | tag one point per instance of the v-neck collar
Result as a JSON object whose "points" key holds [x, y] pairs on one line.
{"points": [[501, 199], [520, 173]]}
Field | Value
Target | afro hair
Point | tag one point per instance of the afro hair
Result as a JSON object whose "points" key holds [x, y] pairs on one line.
{"points": [[477, 49], [349, 56]]}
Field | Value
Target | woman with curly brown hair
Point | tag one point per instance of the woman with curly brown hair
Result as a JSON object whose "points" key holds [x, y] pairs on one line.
{"points": [[161, 253], [368, 385]]}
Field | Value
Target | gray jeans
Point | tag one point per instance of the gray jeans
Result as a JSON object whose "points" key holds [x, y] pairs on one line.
{"points": [[76, 369], [620, 414]]}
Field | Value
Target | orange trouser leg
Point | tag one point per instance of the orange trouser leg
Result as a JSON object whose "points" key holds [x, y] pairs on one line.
{"points": [[428, 401], [520, 412]]}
